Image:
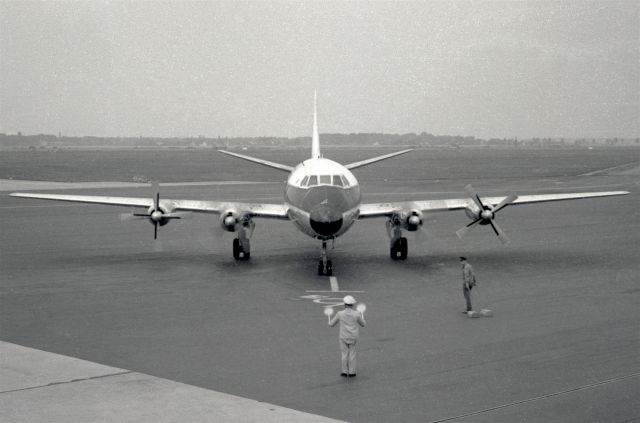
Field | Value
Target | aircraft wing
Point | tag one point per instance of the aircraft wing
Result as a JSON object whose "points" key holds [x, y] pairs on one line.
{"points": [[387, 209], [376, 159], [267, 163], [276, 211]]}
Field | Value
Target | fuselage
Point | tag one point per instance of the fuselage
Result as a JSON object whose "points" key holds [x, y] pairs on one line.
{"points": [[323, 198]]}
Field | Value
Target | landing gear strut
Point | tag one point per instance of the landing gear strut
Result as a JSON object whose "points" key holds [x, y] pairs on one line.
{"points": [[325, 267]]}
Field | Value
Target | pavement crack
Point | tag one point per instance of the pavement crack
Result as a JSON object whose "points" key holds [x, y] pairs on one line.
{"points": [[541, 397], [67, 382]]}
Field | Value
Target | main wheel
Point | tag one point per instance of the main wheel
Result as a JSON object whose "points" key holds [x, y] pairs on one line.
{"points": [[245, 249], [236, 248], [329, 269], [320, 268], [404, 248], [395, 248]]}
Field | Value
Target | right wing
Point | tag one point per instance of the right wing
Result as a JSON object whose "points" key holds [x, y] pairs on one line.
{"points": [[275, 211], [387, 209]]}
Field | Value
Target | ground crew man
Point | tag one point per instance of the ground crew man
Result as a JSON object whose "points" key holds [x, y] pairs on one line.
{"points": [[468, 282], [349, 320]]}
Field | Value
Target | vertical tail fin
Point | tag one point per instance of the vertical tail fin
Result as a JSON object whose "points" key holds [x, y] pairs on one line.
{"points": [[315, 139]]}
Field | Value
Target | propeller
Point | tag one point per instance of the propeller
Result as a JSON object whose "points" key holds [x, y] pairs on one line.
{"points": [[155, 214], [486, 214]]}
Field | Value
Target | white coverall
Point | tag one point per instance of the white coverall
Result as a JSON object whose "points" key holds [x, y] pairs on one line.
{"points": [[349, 320]]}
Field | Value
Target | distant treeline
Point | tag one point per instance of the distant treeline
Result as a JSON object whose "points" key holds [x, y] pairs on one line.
{"points": [[423, 139]]}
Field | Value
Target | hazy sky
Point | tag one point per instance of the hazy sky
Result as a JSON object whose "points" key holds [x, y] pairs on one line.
{"points": [[481, 68]]}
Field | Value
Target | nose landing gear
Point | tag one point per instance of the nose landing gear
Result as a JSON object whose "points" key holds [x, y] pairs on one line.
{"points": [[325, 267]]}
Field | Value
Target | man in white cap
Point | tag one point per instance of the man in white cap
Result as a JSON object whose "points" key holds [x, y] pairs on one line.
{"points": [[349, 320]]}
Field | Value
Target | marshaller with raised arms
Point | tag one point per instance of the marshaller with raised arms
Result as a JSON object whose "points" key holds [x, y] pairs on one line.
{"points": [[322, 198]]}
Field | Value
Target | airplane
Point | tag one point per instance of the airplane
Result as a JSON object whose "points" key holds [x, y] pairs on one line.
{"points": [[322, 199]]}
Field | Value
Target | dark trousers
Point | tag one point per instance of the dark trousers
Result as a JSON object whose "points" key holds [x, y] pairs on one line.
{"points": [[467, 297]]}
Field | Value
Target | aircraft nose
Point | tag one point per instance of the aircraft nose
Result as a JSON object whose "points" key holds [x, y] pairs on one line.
{"points": [[325, 220]]}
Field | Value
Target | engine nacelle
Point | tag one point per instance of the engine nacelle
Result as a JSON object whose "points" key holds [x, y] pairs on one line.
{"points": [[410, 220], [472, 214], [485, 215], [158, 215], [413, 220], [230, 220]]}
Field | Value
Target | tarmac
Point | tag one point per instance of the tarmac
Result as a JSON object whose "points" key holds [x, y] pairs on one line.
{"points": [[38, 386], [188, 329]]}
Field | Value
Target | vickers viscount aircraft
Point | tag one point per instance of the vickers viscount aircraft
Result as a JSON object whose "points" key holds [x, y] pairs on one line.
{"points": [[322, 198]]}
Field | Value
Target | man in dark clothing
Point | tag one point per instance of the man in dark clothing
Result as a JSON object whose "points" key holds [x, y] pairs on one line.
{"points": [[468, 282]]}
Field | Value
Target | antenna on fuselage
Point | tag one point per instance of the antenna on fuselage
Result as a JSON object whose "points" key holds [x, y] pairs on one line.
{"points": [[315, 139]]}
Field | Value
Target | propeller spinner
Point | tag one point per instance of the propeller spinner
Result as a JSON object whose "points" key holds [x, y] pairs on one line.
{"points": [[155, 215], [486, 214]]}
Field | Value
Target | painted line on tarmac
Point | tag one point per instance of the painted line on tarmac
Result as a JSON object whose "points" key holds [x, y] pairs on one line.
{"points": [[325, 292], [609, 169], [334, 283]]}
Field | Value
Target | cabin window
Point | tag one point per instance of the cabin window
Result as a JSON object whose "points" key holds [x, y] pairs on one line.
{"points": [[337, 181], [325, 179], [313, 180]]}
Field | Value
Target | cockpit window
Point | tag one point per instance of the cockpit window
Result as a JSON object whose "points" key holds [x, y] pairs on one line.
{"points": [[314, 180]]}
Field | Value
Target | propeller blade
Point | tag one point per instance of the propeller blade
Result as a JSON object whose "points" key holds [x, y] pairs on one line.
{"points": [[422, 235], [462, 231], [126, 217], [503, 237], [178, 215], [504, 203], [156, 189], [474, 196], [158, 246], [155, 230]]}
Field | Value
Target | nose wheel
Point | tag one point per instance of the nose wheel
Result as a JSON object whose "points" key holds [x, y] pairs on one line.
{"points": [[325, 267]]}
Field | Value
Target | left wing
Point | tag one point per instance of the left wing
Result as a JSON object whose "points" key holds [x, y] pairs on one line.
{"points": [[356, 165], [387, 209], [276, 211]]}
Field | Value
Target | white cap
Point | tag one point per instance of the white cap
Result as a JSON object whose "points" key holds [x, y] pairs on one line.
{"points": [[349, 300]]}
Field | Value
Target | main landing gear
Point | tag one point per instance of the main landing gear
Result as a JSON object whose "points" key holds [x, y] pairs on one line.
{"points": [[325, 267], [241, 244], [398, 244], [241, 250], [399, 248]]}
